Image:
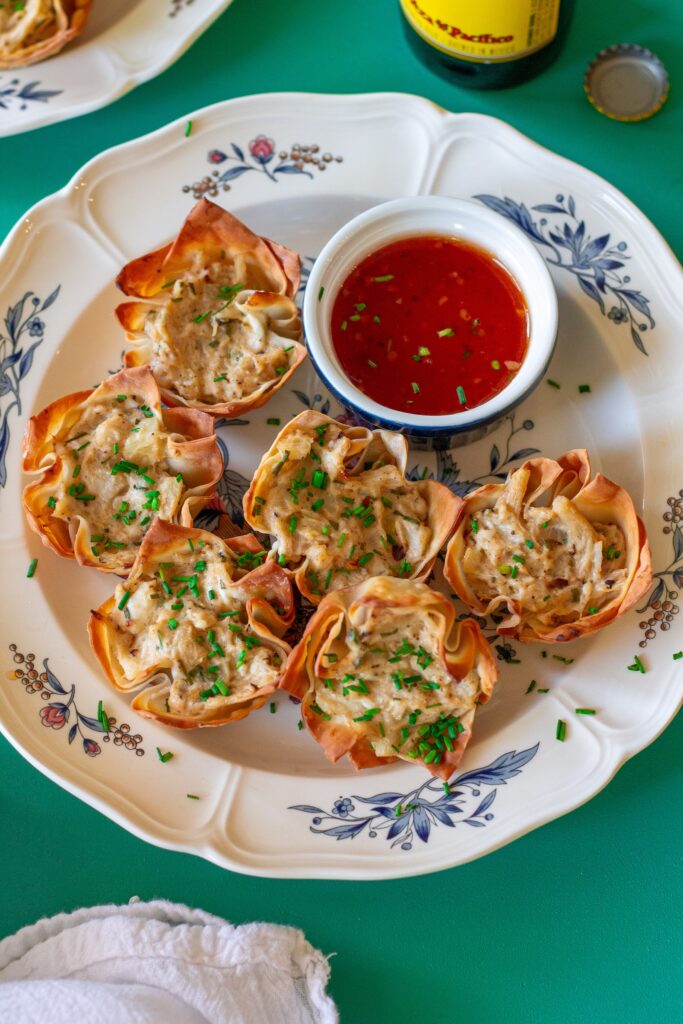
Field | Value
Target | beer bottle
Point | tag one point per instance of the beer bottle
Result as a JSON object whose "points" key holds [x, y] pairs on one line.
{"points": [[487, 44]]}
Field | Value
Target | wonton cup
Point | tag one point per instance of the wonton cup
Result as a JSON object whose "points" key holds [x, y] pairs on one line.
{"points": [[172, 634], [221, 287], [82, 488], [354, 470], [38, 29], [406, 637], [570, 556]]}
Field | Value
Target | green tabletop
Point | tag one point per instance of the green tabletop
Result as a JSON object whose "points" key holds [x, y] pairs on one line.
{"points": [[578, 921]]}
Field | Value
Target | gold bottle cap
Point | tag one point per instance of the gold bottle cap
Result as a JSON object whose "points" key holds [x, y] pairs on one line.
{"points": [[626, 82]]}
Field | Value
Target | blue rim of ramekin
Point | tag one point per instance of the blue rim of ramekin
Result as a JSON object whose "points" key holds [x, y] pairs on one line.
{"points": [[427, 431]]}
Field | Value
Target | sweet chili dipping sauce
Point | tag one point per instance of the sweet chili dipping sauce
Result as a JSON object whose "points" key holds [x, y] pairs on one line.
{"points": [[430, 325]]}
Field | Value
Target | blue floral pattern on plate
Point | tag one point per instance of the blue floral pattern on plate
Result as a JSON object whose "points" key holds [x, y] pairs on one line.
{"points": [[24, 333], [13, 94], [55, 714], [400, 817], [262, 157], [596, 262]]}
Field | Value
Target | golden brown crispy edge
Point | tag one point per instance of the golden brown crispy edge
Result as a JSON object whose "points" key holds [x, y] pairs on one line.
{"points": [[211, 231], [193, 451], [273, 271], [269, 584], [462, 648], [77, 12], [443, 505], [599, 500]]}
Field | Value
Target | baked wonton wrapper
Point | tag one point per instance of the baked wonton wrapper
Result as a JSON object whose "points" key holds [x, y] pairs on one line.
{"points": [[208, 643], [36, 29], [337, 502], [219, 327], [384, 671], [111, 461], [556, 554]]}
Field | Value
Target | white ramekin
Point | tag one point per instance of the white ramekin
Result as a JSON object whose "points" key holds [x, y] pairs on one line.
{"points": [[430, 215]]}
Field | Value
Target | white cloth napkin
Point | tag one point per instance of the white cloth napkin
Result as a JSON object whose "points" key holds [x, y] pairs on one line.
{"points": [[160, 963]]}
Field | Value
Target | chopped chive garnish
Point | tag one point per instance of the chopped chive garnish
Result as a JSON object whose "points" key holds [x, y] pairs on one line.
{"points": [[321, 292], [120, 398], [124, 600], [531, 686], [376, 319], [495, 364], [385, 277], [77, 469], [447, 332], [360, 306], [462, 397], [282, 560], [31, 571], [415, 387], [612, 553], [637, 665], [318, 504], [342, 538], [529, 544], [565, 661], [168, 756], [273, 421], [191, 796], [364, 559], [220, 378], [52, 502], [678, 655], [188, 128], [561, 730], [553, 383], [292, 524], [273, 707], [372, 364], [584, 711], [505, 570], [172, 623], [584, 389], [344, 325]]}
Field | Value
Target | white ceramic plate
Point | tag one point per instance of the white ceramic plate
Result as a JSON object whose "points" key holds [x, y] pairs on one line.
{"points": [[269, 801], [125, 42]]}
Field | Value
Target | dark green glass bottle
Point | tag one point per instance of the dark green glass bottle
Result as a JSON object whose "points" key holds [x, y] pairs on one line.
{"points": [[487, 44]]}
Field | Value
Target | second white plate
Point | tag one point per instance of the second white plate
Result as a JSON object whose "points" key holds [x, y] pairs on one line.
{"points": [[125, 42]]}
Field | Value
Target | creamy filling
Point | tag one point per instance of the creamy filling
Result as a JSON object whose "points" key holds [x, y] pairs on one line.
{"points": [[389, 679], [552, 560], [115, 475], [189, 622], [209, 346], [346, 528], [25, 25]]}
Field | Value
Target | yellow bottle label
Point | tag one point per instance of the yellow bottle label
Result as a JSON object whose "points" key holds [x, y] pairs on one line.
{"points": [[484, 30]]}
